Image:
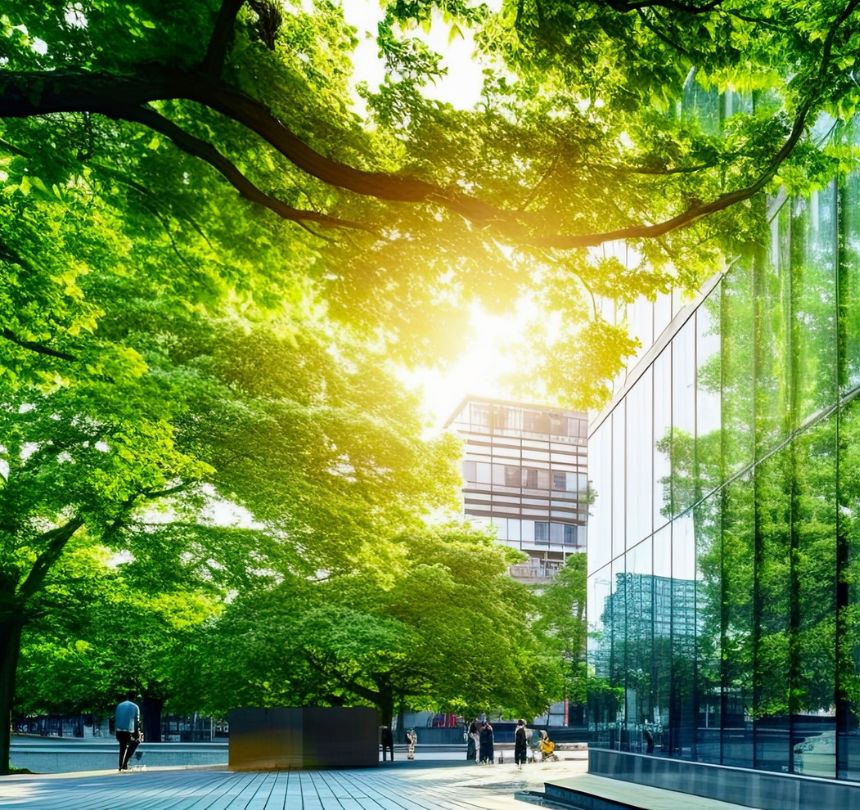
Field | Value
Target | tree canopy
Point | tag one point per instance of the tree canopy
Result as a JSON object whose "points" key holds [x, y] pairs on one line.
{"points": [[581, 138], [444, 628]]}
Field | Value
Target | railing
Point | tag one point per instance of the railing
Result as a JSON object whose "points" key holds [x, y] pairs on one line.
{"points": [[534, 572]]}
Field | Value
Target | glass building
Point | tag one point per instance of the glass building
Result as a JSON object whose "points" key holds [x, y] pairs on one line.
{"points": [[525, 473], [724, 562]]}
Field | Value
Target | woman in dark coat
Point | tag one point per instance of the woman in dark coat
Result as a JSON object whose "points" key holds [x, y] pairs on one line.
{"points": [[472, 742], [486, 743], [520, 744]]}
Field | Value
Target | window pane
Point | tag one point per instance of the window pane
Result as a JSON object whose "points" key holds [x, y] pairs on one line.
{"points": [[480, 415], [773, 287], [708, 400], [600, 519], [662, 438], [618, 457], [813, 294], [814, 692], [602, 699], [662, 679], [849, 610], [639, 476], [683, 416], [737, 359], [639, 652], [737, 652], [773, 664], [682, 708], [849, 273], [707, 524]]}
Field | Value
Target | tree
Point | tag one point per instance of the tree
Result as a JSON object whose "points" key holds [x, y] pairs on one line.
{"points": [[321, 451], [578, 141], [105, 632], [445, 628]]}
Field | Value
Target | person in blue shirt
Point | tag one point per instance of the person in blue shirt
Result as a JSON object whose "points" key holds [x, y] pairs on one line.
{"points": [[129, 733]]}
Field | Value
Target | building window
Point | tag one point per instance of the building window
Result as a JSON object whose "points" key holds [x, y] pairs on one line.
{"points": [[536, 422], [480, 415], [535, 479], [568, 481], [541, 532], [513, 476]]}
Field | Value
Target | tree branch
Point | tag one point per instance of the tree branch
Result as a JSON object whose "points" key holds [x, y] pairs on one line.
{"points": [[199, 148], [347, 683], [35, 347], [686, 8], [25, 94], [216, 53], [56, 539], [659, 34]]}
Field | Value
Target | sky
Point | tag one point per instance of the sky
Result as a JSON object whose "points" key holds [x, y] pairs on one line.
{"points": [[480, 370]]}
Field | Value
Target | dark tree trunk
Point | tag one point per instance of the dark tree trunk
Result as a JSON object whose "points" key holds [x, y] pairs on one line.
{"points": [[385, 704], [10, 650]]}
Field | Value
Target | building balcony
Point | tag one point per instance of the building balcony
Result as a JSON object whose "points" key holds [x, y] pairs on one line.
{"points": [[531, 574]]}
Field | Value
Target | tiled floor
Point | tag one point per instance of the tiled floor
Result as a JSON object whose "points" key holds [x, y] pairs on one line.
{"points": [[424, 786]]}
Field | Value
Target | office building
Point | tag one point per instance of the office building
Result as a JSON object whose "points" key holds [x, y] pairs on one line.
{"points": [[525, 473], [726, 472]]}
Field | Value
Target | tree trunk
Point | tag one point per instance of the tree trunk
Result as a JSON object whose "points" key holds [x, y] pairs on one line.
{"points": [[385, 704], [10, 649]]}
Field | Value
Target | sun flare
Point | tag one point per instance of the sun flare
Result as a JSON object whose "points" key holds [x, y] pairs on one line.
{"points": [[492, 356]]}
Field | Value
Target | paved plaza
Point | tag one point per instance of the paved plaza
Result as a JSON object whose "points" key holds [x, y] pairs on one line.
{"points": [[423, 784]]}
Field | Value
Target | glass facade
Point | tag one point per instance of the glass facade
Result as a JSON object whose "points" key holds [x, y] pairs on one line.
{"points": [[724, 563], [525, 473]]}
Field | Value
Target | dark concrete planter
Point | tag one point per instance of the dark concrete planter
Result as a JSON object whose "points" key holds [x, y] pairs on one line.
{"points": [[278, 739]]}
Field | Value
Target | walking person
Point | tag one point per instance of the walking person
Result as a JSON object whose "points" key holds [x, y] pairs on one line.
{"points": [[411, 742], [129, 733], [520, 744]]}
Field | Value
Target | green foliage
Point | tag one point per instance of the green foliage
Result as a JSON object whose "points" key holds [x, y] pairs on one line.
{"points": [[562, 621], [445, 628], [596, 118]]}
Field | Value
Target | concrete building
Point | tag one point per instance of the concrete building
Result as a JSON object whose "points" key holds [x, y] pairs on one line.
{"points": [[525, 472]]}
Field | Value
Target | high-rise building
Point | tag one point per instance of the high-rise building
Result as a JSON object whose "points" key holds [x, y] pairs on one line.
{"points": [[726, 475], [525, 472]]}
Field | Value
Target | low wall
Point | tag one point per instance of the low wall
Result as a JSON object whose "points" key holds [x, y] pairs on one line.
{"points": [[281, 738], [744, 786], [57, 756]]}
